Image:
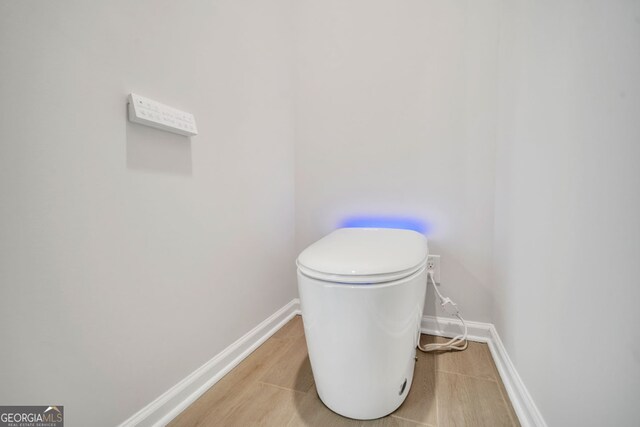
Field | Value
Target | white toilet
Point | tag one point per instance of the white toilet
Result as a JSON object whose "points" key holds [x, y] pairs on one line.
{"points": [[362, 294]]}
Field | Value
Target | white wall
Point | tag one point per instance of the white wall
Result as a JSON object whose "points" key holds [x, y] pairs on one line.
{"points": [[396, 115], [119, 244], [568, 207]]}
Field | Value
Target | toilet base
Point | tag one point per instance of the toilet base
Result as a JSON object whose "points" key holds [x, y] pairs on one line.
{"points": [[362, 342]]}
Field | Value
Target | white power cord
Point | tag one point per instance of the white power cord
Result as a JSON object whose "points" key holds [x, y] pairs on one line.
{"points": [[459, 342]]}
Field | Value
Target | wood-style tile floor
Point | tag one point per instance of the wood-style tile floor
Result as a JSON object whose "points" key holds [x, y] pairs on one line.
{"points": [[274, 387]]}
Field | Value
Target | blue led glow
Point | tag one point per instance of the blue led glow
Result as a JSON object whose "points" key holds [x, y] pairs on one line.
{"points": [[386, 222]]}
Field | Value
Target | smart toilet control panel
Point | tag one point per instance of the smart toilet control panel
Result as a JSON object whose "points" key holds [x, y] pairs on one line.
{"points": [[152, 113]]}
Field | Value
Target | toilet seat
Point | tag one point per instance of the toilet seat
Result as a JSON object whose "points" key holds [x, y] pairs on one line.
{"points": [[357, 280], [364, 256]]}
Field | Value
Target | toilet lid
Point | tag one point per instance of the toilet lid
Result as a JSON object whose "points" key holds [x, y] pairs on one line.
{"points": [[364, 255]]}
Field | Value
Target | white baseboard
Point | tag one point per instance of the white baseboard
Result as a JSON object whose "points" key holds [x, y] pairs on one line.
{"points": [[171, 403], [166, 407], [523, 404], [449, 327]]}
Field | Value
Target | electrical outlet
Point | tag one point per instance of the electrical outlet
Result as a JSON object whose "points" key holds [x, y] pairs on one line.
{"points": [[433, 263]]}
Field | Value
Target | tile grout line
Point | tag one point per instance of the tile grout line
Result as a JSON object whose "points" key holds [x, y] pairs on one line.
{"points": [[508, 405], [504, 402], [505, 397], [435, 396], [267, 366], [410, 420], [467, 375], [495, 379], [280, 387]]}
